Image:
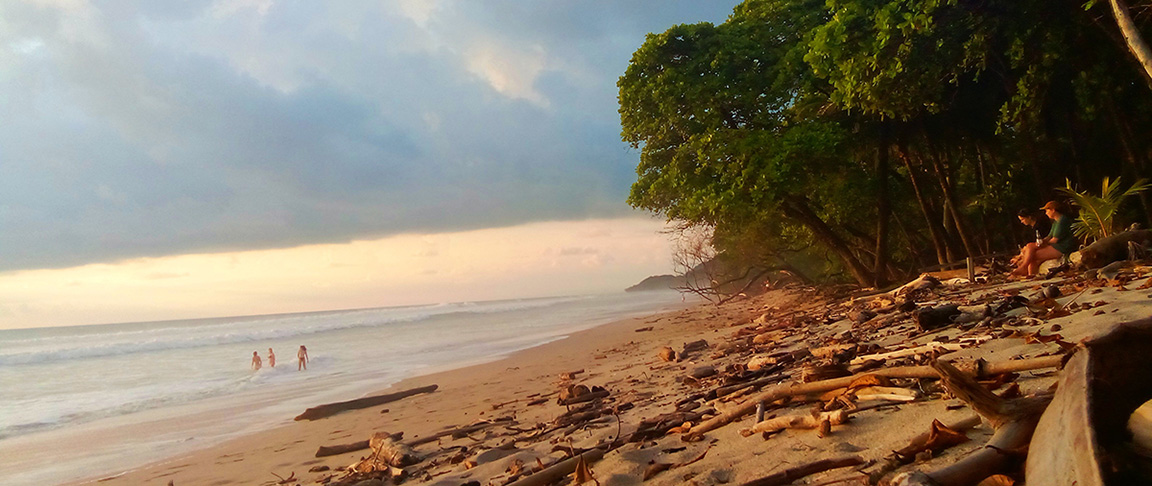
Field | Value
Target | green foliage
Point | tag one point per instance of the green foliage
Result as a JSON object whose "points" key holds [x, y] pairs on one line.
{"points": [[771, 126], [1098, 213]]}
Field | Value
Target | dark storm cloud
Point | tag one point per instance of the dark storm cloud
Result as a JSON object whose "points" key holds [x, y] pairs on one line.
{"points": [[153, 128]]}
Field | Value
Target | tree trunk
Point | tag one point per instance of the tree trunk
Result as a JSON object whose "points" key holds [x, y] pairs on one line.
{"points": [[1136, 43], [883, 209], [952, 205], [942, 254], [797, 209]]}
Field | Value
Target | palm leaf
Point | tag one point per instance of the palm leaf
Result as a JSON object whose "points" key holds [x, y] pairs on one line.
{"points": [[1097, 214]]}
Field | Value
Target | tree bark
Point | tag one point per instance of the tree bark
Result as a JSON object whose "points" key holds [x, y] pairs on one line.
{"points": [[952, 203], [883, 209], [942, 254], [797, 209], [1136, 44]]}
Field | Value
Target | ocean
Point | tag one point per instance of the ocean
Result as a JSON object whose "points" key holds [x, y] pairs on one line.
{"points": [[84, 401]]}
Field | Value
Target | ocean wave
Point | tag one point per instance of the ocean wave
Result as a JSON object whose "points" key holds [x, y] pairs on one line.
{"points": [[43, 350]]}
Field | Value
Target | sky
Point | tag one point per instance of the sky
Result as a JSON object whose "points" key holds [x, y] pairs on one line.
{"points": [[156, 154]]}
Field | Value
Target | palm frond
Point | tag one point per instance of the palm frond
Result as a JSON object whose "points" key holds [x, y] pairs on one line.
{"points": [[1097, 214]]}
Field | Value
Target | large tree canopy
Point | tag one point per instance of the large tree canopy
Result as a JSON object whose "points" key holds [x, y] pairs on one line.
{"points": [[805, 124]]}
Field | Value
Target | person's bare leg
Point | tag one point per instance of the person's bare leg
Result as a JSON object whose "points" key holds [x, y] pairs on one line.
{"points": [[1042, 255], [1024, 263]]}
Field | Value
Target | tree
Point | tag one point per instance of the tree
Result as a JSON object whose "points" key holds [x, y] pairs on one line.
{"points": [[728, 125]]}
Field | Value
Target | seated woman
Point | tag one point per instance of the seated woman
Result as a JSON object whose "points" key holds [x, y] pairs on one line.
{"points": [[1040, 226], [1059, 242]]}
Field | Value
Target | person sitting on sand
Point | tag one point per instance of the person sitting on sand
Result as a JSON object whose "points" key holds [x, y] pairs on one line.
{"points": [[302, 355], [271, 358], [1040, 226], [255, 360], [1059, 242]]}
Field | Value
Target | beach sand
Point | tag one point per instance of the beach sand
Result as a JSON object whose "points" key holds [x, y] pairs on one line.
{"points": [[625, 362]]}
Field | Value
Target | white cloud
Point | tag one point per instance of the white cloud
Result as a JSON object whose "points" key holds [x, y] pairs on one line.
{"points": [[511, 71]]}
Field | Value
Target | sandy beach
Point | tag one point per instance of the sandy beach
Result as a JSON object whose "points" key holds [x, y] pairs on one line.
{"points": [[623, 358]]}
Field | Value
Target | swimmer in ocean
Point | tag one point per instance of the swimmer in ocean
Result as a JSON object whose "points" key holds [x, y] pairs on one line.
{"points": [[271, 358], [302, 355], [255, 360]]}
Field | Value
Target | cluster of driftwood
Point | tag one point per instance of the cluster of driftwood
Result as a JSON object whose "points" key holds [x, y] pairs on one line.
{"points": [[790, 372]]}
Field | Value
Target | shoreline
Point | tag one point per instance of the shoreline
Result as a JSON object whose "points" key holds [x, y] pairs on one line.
{"points": [[434, 374], [642, 386]]}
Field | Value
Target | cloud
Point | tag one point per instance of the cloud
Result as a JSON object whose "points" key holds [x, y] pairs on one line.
{"points": [[157, 128]]}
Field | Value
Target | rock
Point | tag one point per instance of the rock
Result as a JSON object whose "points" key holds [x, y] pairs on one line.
{"points": [[318, 469], [695, 346], [667, 354], [702, 372]]}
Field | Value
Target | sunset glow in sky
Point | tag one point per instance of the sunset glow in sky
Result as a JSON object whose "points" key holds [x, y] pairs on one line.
{"points": [[210, 157]]}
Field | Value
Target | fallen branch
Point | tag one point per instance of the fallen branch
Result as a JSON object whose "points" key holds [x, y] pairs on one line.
{"points": [[902, 353], [325, 451], [800, 421], [1014, 421], [784, 390], [559, 470], [789, 475], [330, 409], [454, 432], [932, 440]]}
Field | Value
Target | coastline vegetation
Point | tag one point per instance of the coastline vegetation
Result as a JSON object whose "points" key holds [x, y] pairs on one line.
{"points": [[863, 140]]}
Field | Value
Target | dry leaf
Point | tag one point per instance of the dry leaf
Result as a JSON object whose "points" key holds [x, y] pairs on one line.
{"points": [[870, 380], [997, 480], [583, 473], [516, 468], [941, 437]]}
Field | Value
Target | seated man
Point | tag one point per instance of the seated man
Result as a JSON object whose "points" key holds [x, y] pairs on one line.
{"points": [[1040, 226], [1059, 242]]}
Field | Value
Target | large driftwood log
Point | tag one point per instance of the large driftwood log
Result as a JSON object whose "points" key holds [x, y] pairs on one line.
{"points": [[330, 409], [1084, 438], [559, 470], [333, 450], [787, 476], [1014, 421], [793, 389], [1113, 248]]}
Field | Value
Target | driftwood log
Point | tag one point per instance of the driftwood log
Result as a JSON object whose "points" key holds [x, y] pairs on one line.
{"points": [[799, 421], [325, 451], [1082, 438], [560, 469], [1113, 248], [330, 409], [1014, 421], [784, 390], [787, 476]]}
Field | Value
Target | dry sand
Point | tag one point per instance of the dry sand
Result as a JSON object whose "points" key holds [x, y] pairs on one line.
{"points": [[625, 362]]}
